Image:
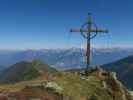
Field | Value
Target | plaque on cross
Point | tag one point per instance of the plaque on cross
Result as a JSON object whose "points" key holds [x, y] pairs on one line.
{"points": [[89, 30]]}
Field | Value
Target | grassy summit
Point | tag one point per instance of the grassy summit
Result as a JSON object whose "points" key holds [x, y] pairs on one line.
{"points": [[98, 85]]}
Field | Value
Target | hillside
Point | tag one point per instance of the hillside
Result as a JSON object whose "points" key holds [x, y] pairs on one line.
{"points": [[99, 85], [124, 70], [25, 71], [36, 80]]}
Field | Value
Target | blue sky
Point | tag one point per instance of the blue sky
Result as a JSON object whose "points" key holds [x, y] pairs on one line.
{"points": [[37, 24]]}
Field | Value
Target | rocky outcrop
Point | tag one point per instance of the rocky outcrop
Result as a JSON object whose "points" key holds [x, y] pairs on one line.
{"points": [[110, 82]]}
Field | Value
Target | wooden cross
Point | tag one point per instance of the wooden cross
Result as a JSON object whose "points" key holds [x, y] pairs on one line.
{"points": [[89, 30]]}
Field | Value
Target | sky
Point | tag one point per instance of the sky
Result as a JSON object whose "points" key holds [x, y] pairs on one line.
{"points": [[38, 24]]}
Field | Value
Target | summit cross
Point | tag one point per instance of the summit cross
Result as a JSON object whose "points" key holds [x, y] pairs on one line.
{"points": [[89, 30]]}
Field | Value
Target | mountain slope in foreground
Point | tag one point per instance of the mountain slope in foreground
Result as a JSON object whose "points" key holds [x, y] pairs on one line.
{"points": [[25, 70], [124, 70], [98, 85]]}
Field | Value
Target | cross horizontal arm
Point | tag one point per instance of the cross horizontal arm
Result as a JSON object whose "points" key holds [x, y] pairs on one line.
{"points": [[91, 30]]}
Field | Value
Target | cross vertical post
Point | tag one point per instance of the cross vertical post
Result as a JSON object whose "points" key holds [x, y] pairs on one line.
{"points": [[89, 30], [88, 51]]}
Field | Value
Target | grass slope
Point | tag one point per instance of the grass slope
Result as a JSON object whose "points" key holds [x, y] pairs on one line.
{"points": [[75, 87], [25, 71]]}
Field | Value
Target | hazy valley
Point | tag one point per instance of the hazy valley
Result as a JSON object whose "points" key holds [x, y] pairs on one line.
{"points": [[64, 58]]}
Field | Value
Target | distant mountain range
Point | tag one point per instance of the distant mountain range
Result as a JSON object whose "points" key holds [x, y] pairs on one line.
{"points": [[63, 58], [124, 70]]}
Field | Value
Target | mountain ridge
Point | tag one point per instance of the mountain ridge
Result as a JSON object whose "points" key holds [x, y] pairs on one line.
{"points": [[25, 70], [124, 69]]}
